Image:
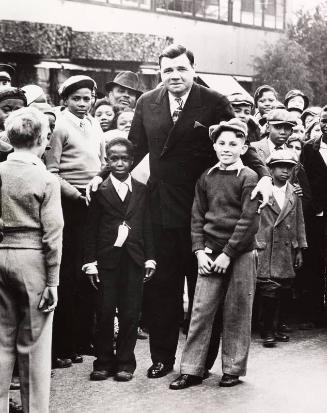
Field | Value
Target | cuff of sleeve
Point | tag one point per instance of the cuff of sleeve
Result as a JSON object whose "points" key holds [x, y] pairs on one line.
{"points": [[197, 251], [197, 246], [150, 264], [53, 281], [231, 252], [90, 268]]}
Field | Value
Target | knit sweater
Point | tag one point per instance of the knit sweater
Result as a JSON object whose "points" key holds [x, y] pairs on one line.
{"points": [[31, 211], [76, 153], [223, 216]]}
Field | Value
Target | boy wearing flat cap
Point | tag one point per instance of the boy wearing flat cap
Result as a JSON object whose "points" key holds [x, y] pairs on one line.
{"points": [[76, 156], [223, 227], [124, 91], [280, 240], [6, 74], [279, 128]]}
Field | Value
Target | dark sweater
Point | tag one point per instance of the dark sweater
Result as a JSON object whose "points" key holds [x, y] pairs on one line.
{"points": [[223, 216]]}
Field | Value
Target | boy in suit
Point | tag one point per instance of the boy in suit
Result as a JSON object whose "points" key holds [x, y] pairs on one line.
{"points": [[119, 238], [280, 240], [223, 227]]}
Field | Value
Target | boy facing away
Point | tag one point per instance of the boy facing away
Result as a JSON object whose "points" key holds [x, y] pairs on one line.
{"points": [[224, 223], [119, 238]]}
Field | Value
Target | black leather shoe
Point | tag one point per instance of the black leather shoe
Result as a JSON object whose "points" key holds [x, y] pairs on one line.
{"points": [[123, 376], [158, 370], [184, 381], [281, 337], [269, 339], [59, 363], [229, 380], [98, 375], [76, 358]]}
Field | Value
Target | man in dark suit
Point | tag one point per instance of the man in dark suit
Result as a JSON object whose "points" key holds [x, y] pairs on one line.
{"points": [[119, 237], [171, 123]]}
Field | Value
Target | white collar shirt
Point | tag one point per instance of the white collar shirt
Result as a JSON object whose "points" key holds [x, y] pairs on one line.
{"points": [[236, 166], [323, 151], [280, 194], [272, 146], [173, 104], [121, 187], [80, 122], [26, 157]]}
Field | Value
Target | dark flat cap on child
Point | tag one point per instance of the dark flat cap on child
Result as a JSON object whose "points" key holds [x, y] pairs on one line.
{"points": [[282, 156], [6, 72], [13, 93], [280, 116]]}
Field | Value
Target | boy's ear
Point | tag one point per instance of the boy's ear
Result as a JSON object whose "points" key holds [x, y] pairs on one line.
{"points": [[245, 147]]}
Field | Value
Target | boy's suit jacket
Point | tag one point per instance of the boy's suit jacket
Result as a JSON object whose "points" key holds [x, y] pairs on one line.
{"points": [[316, 171], [106, 213], [280, 232], [179, 152], [262, 148]]}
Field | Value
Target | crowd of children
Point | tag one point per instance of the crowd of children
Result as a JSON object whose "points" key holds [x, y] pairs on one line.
{"points": [[244, 257]]}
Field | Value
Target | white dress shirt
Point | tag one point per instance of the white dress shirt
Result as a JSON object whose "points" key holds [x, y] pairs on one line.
{"points": [[272, 146], [279, 194], [173, 104], [323, 151], [122, 187], [238, 165]]}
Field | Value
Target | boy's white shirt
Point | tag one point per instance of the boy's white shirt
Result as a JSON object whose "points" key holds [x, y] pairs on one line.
{"points": [[279, 194], [121, 188]]}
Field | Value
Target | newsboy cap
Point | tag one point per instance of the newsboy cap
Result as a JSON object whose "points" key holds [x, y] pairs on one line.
{"points": [[6, 71], [128, 80], [280, 116], [293, 93], [74, 83], [233, 124], [238, 99], [285, 156], [12, 93], [34, 93]]}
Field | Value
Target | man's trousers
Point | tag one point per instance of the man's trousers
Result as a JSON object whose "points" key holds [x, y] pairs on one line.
{"points": [[24, 329], [233, 294]]}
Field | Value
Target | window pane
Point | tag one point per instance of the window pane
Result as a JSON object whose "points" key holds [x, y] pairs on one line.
{"points": [[237, 11], [180, 6], [258, 12], [223, 10], [280, 14]]}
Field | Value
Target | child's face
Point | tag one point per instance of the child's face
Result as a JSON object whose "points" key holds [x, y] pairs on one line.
{"points": [[6, 107], [281, 173], [79, 102], [124, 121], [279, 133], [323, 123], [296, 147], [315, 132], [105, 115], [229, 147], [119, 161], [266, 102], [242, 112]]}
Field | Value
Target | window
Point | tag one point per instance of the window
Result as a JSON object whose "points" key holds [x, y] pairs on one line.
{"points": [[267, 13], [212, 9]]}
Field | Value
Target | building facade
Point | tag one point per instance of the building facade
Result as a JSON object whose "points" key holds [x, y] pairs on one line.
{"points": [[48, 40]]}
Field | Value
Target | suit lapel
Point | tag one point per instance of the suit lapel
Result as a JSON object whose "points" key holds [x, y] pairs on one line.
{"points": [[288, 204], [108, 192], [274, 206], [161, 112], [135, 196]]}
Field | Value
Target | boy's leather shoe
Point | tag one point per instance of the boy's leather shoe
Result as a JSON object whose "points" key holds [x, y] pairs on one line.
{"points": [[184, 381], [98, 375], [59, 363], [123, 376], [281, 337], [158, 370], [269, 339], [229, 380]]}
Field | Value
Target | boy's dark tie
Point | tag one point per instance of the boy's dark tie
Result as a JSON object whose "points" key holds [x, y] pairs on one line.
{"points": [[178, 110]]}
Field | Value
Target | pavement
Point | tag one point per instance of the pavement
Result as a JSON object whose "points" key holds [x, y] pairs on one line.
{"points": [[290, 378]]}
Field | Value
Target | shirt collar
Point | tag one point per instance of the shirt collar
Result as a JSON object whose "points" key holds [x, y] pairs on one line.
{"points": [[271, 146], [26, 157], [280, 189], [116, 182], [236, 166], [76, 120], [172, 99], [323, 145]]}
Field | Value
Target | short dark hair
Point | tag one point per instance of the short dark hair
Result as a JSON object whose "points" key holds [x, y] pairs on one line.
{"points": [[175, 50], [122, 142]]}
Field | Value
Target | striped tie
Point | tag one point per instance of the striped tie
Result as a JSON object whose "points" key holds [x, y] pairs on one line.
{"points": [[178, 110]]}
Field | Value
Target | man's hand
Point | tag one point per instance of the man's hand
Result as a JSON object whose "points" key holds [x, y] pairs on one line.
{"points": [[148, 274], [298, 190], [264, 187], [221, 263], [92, 186], [204, 263], [49, 299], [298, 261]]}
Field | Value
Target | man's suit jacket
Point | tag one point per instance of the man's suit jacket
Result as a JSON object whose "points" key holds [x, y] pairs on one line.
{"points": [[280, 232], [316, 171], [106, 213], [179, 152], [262, 148]]}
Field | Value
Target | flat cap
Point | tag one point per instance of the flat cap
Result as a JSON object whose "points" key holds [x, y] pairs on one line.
{"points": [[74, 83], [280, 116], [13, 93], [285, 156], [292, 94], [238, 99], [233, 124], [6, 71], [34, 93]]}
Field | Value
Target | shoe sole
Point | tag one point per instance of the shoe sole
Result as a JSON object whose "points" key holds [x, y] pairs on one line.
{"points": [[161, 374], [98, 378], [222, 384], [185, 387]]}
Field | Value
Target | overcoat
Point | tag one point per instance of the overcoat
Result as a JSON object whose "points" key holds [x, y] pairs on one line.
{"points": [[280, 232], [262, 148]]}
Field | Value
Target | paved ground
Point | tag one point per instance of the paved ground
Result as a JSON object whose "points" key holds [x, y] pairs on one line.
{"points": [[291, 378]]}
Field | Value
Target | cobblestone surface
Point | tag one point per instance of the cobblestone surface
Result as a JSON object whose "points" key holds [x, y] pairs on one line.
{"points": [[289, 378]]}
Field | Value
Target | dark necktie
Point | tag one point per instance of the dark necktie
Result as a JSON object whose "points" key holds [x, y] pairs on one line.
{"points": [[278, 148], [178, 110]]}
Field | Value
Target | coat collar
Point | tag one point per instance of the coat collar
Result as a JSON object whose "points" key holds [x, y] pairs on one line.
{"points": [[288, 203]]}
